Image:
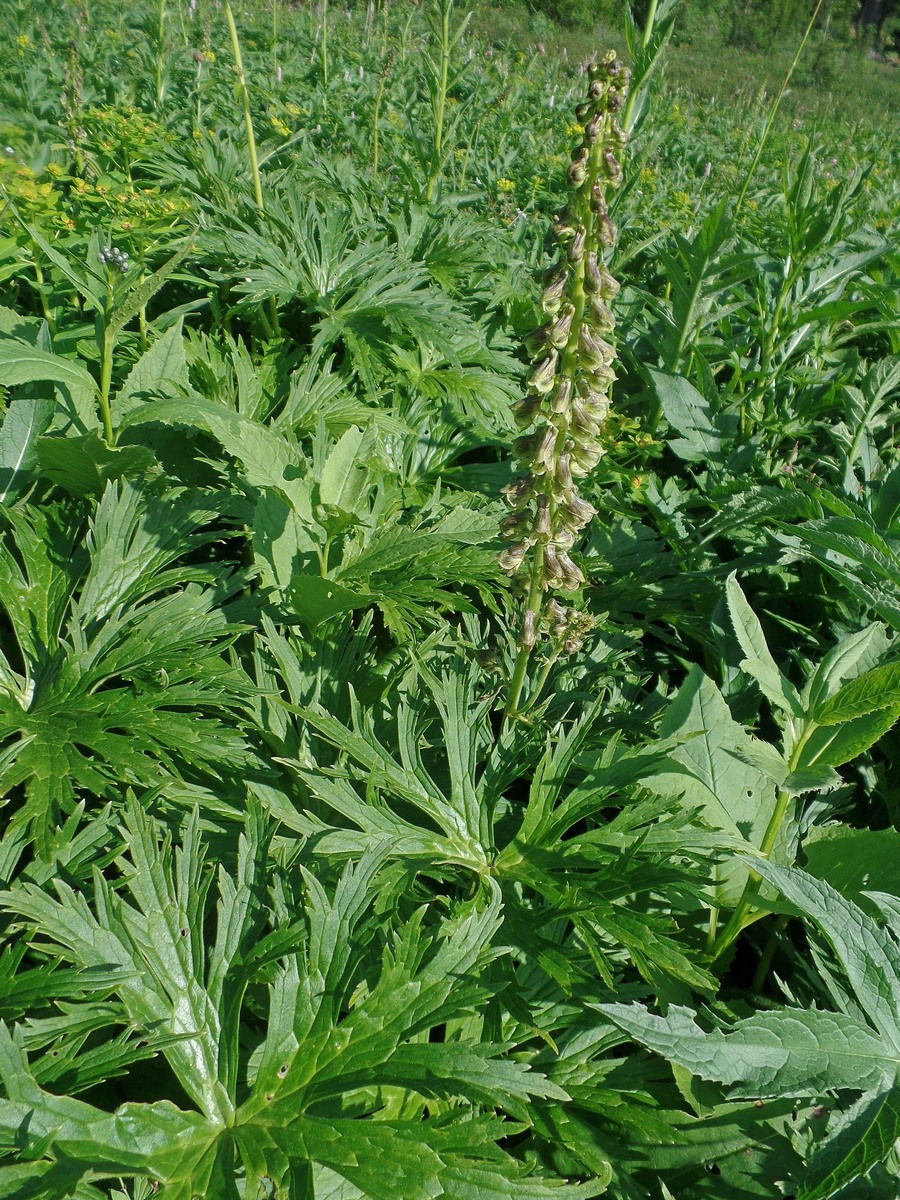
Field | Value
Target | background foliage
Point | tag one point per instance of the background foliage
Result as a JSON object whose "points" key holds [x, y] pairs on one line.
{"points": [[288, 909]]}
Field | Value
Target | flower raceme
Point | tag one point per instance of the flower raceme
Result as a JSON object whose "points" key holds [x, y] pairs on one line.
{"points": [[569, 383]]}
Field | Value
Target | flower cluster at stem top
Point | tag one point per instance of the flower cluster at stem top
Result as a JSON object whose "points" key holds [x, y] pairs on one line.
{"points": [[569, 384]]}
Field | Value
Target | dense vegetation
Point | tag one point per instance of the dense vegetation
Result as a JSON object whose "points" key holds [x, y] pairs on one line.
{"points": [[339, 862]]}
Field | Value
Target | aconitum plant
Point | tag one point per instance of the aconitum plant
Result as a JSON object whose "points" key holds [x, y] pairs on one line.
{"points": [[569, 386]]}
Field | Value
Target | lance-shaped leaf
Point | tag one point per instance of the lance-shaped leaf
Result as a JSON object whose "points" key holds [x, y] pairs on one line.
{"points": [[796, 1052]]}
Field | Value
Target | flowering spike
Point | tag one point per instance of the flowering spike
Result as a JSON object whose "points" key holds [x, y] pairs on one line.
{"points": [[568, 386]]}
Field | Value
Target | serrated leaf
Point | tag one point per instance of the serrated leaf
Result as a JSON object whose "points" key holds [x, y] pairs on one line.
{"points": [[875, 690], [164, 362], [315, 599], [795, 1053], [834, 745], [758, 660], [865, 1137], [343, 476], [132, 304]]}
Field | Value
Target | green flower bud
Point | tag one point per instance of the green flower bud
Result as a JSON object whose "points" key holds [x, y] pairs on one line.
{"points": [[576, 250], [594, 351], [527, 634], [611, 169], [519, 492], [577, 512], [582, 421], [585, 457], [516, 525], [573, 577], [537, 341], [562, 396], [607, 232], [540, 530], [512, 557], [593, 127], [541, 377], [576, 174], [526, 410], [609, 287], [563, 473], [601, 316], [551, 299], [559, 334], [592, 278]]}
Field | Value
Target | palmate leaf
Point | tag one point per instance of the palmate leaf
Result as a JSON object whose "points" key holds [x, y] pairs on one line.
{"points": [[341, 1025], [120, 669], [547, 865], [797, 1052]]}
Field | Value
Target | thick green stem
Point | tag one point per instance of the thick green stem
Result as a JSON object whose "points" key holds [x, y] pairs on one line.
{"points": [[106, 364]]}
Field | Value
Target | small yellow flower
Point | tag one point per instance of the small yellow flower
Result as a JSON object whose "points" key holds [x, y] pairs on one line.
{"points": [[23, 41], [505, 185], [573, 129]]}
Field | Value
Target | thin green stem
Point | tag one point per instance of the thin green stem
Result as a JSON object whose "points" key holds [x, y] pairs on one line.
{"points": [[770, 119], [533, 605], [245, 103], [251, 137], [39, 278], [160, 54], [324, 56], [440, 100]]}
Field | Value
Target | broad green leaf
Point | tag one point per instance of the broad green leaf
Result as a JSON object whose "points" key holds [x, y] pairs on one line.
{"points": [[139, 296], [84, 465], [869, 956], [268, 458], [315, 599], [787, 1053], [163, 363], [851, 656], [686, 410], [21, 363], [854, 860], [707, 770], [342, 480], [26, 418], [834, 745]]}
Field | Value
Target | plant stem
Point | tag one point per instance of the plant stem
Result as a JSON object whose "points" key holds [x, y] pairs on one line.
{"points": [[160, 54], [251, 137], [440, 99], [245, 102], [770, 119], [324, 56], [109, 339], [533, 604], [39, 277]]}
